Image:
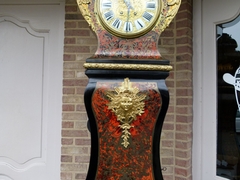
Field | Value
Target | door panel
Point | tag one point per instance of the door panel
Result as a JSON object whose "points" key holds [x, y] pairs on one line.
{"points": [[207, 15], [31, 49], [21, 73]]}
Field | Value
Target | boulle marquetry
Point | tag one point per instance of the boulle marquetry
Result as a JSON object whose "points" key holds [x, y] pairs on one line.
{"points": [[126, 98]]}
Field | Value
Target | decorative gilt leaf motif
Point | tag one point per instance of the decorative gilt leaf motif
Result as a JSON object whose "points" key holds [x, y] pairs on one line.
{"points": [[127, 103], [84, 8]]}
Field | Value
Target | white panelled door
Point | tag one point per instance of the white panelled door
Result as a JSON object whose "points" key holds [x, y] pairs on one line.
{"points": [[31, 53], [207, 14]]}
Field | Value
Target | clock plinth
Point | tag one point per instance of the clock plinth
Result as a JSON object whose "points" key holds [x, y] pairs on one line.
{"points": [[126, 102]]}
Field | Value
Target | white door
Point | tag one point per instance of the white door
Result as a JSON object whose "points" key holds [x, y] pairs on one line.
{"points": [[31, 53], [208, 14]]}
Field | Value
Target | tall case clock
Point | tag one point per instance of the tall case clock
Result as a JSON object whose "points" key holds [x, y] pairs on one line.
{"points": [[126, 98]]}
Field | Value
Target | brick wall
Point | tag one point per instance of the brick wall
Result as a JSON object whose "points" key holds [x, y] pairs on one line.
{"points": [[175, 45]]}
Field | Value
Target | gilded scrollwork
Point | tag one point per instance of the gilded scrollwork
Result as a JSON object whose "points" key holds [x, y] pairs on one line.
{"points": [[169, 10], [84, 9], [127, 103]]}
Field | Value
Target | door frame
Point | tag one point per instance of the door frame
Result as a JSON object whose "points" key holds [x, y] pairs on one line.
{"points": [[53, 96], [205, 86]]}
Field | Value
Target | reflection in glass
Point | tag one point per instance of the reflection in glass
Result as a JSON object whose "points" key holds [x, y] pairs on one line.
{"points": [[228, 116]]}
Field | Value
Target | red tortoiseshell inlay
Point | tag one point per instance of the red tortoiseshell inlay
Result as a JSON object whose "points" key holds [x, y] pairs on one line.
{"points": [[144, 47], [116, 162]]}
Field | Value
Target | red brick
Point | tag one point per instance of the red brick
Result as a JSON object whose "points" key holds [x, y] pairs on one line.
{"points": [[167, 33], [74, 133], [68, 74], [184, 32], [184, 92], [184, 23], [66, 158], [184, 66], [72, 2], [184, 178], [169, 41], [183, 154], [68, 107], [184, 110], [184, 101], [82, 142], [80, 176], [167, 143], [167, 161], [69, 57], [183, 40], [70, 24], [182, 172], [73, 32], [67, 124], [71, 8], [183, 162], [183, 136], [77, 49], [182, 145], [185, 6], [81, 108], [184, 127], [66, 141], [82, 159], [83, 24], [73, 65], [184, 83], [66, 176], [68, 90], [185, 14], [169, 118], [74, 116], [75, 82], [168, 177], [184, 49], [70, 41], [184, 118], [168, 126]]}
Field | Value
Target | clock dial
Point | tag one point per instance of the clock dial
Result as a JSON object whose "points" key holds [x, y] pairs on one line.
{"points": [[128, 18]]}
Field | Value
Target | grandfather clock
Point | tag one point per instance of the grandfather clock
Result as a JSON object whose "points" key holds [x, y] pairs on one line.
{"points": [[126, 98]]}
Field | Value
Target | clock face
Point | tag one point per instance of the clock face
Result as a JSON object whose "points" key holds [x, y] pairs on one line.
{"points": [[128, 18]]}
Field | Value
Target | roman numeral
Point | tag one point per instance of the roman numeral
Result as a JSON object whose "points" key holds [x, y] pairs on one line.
{"points": [[128, 26], [151, 5], [139, 24], [147, 16], [108, 15], [106, 4], [117, 23]]}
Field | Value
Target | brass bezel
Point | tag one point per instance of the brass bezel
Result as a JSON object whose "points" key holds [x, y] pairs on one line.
{"points": [[128, 35]]}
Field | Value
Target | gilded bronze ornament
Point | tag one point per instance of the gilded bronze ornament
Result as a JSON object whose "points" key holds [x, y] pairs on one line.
{"points": [[127, 103], [145, 67]]}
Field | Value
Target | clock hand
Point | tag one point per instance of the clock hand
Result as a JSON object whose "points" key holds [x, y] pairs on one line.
{"points": [[128, 4]]}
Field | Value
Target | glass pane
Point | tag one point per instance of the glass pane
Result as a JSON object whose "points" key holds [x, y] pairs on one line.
{"points": [[228, 116]]}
